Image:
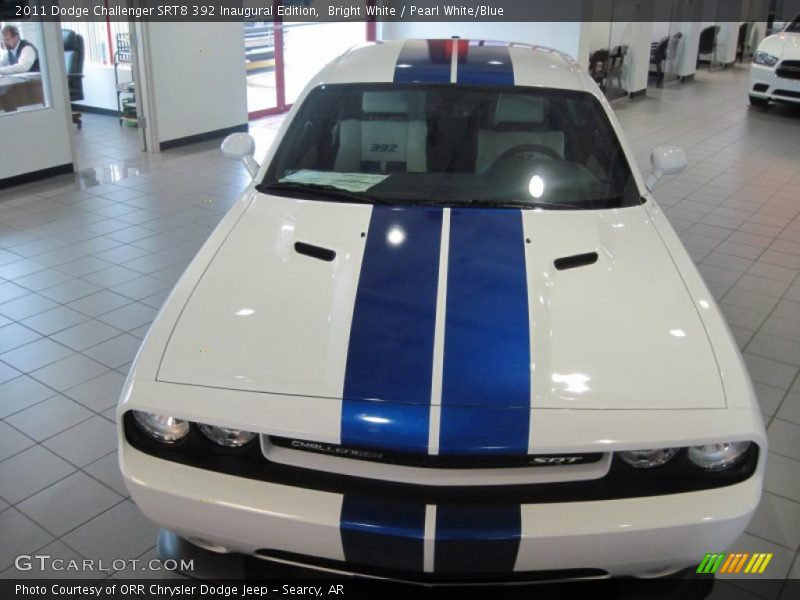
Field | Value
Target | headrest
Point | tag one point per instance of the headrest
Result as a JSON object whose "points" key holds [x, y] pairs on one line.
{"points": [[393, 103], [70, 39], [515, 108]]}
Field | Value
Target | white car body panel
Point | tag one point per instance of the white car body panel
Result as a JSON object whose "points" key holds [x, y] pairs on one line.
{"points": [[585, 353], [632, 353], [223, 337]]}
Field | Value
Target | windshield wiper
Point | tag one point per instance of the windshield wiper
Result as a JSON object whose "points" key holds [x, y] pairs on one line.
{"points": [[327, 191]]}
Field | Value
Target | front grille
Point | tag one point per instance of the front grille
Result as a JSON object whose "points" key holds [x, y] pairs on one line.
{"points": [[429, 461], [621, 481], [789, 69]]}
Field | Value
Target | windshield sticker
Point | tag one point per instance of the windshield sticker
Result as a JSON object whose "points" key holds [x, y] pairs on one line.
{"points": [[351, 182]]}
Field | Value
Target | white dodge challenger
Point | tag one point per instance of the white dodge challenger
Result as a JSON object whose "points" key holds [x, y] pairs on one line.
{"points": [[446, 334]]}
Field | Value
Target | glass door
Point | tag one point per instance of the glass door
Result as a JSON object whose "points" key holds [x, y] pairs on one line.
{"points": [[261, 66], [281, 57], [307, 47]]}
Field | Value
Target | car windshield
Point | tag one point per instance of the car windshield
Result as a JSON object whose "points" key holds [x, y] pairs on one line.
{"points": [[451, 146], [794, 26]]}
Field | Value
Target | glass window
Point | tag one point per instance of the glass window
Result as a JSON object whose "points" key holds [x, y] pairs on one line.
{"points": [[21, 66], [453, 145]]}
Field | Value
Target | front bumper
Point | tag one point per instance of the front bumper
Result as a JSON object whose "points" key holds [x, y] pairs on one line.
{"points": [[634, 536], [764, 83]]}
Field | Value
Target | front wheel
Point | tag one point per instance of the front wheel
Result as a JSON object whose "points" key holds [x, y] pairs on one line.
{"points": [[759, 102]]}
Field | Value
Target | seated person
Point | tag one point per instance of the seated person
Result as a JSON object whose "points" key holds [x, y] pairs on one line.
{"points": [[19, 56]]}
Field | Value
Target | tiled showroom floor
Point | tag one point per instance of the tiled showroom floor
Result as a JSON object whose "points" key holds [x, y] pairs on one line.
{"points": [[103, 140], [83, 271]]}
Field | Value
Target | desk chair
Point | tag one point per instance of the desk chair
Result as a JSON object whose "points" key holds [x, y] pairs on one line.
{"points": [[73, 59], [708, 43]]}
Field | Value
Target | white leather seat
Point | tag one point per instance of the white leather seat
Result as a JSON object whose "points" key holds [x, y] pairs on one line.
{"points": [[516, 120], [391, 136]]}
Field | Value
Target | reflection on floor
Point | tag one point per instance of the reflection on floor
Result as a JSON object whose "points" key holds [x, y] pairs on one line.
{"points": [[86, 261], [107, 153], [103, 140]]}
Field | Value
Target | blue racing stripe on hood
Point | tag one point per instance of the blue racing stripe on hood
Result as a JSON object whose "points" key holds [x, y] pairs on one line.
{"points": [[486, 381], [486, 64], [424, 61], [387, 385]]}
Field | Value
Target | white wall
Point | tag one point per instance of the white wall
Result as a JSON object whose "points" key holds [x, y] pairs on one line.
{"points": [[563, 36], [99, 86], [41, 138], [638, 57], [599, 33], [757, 33], [727, 38], [660, 30], [198, 77], [687, 58]]}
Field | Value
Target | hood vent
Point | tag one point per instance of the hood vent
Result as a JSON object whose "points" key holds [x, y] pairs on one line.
{"points": [[577, 260], [317, 252]]}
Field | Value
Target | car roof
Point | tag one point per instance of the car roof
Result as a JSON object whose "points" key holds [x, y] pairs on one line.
{"points": [[478, 62]]}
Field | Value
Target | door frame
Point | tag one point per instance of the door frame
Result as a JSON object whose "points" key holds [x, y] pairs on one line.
{"points": [[143, 90]]}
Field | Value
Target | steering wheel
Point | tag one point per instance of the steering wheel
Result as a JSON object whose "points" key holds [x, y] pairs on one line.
{"points": [[521, 148]]}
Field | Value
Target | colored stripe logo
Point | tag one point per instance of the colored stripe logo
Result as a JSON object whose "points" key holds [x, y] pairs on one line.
{"points": [[735, 563], [387, 385], [486, 64], [486, 354], [486, 379], [477, 62], [477, 539], [383, 534], [424, 62]]}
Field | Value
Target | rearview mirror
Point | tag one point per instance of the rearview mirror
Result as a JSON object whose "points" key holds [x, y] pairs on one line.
{"points": [[241, 146], [666, 160]]}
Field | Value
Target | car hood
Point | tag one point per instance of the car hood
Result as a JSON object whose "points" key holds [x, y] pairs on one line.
{"points": [[785, 46], [423, 306]]}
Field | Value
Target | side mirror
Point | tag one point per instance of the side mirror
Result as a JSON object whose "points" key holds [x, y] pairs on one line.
{"points": [[666, 160], [241, 146]]}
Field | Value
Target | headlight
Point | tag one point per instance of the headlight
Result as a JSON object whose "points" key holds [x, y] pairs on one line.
{"points": [[232, 438], [763, 58], [647, 459], [714, 457], [160, 427]]}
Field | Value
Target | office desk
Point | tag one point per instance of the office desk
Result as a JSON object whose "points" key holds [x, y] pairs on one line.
{"points": [[20, 90]]}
